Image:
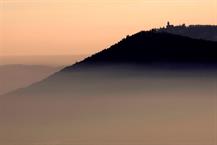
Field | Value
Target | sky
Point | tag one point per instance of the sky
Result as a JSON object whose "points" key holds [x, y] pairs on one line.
{"points": [[77, 27]]}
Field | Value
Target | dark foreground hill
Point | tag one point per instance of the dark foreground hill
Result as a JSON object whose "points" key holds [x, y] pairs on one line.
{"points": [[150, 54], [155, 49]]}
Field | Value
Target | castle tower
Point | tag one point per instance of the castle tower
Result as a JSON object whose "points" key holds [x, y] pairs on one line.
{"points": [[169, 25]]}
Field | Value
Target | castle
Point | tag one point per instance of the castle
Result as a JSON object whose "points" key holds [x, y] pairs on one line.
{"points": [[168, 26]]}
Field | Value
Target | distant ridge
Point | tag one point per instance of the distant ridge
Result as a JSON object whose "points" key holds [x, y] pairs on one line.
{"points": [[17, 76], [206, 32]]}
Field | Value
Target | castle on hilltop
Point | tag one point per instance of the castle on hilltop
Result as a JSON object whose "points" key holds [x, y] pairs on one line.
{"points": [[206, 32], [168, 26]]}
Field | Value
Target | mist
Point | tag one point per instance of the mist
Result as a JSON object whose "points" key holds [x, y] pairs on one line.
{"points": [[100, 107]]}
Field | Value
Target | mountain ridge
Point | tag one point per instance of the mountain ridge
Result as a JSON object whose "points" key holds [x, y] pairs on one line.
{"points": [[147, 43], [144, 53]]}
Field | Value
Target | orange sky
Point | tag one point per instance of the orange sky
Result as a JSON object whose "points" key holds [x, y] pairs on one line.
{"points": [[51, 27]]}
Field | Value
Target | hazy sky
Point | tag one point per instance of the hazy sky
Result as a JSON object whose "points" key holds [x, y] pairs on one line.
{"points": [[51, 27]]}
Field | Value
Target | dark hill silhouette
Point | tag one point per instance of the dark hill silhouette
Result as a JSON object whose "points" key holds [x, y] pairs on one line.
{"points": [[133, 57], [206, 32], [155, 49]]}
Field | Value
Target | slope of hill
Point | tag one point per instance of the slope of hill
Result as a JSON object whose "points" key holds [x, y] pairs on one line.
{"points": [[205, 32]]}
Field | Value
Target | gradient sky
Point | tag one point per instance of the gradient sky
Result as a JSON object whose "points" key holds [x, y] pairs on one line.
{"points": [[51, 27]]}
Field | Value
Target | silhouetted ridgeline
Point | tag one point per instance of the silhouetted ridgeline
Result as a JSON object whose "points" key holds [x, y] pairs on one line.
{"points": [[206, 32], [121, 67], [155, 49]]}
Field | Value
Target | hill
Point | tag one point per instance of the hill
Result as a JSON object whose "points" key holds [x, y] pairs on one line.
{"points": [[155, 49], [149, 53]]}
